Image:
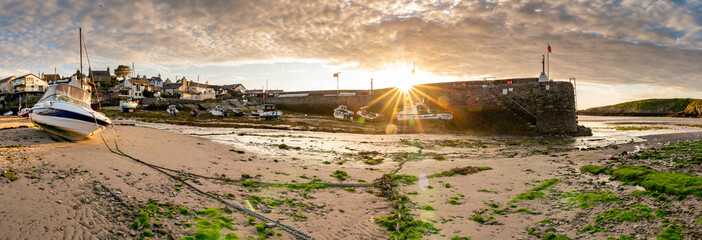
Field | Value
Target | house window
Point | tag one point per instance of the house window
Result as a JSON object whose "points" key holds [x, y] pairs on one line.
{"points": [[41, 88]]}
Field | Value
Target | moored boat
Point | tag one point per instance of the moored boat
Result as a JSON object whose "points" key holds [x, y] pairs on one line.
{"points": [[65, 110], [172, 110], [219, 111], [419, 112], [364, 113], [128, 105], [269, 111], [342, 112], [24, 112], [238, 112]]}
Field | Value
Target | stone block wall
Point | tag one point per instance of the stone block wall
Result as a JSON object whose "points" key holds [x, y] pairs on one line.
{"points": [[523, 107]]}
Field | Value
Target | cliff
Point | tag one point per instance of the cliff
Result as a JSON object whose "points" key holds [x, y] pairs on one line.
{"points": [[675, 107]]}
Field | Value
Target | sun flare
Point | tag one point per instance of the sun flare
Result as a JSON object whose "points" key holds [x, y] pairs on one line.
{"points": [[404, 87], [399, 77]]}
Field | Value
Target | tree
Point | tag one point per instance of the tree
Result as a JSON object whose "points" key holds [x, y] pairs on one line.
{"points": [[123, 71], [147, 93]]}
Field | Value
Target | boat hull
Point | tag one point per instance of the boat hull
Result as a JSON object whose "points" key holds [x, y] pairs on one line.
{"points": [[126, 106], [424, 117], [67, 120], [218, 113], [270, 114]]}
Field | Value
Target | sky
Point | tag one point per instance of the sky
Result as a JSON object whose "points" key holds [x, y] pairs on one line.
{"points": [[616, 50]]}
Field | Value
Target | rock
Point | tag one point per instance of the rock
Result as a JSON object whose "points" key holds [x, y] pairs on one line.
{"points": [[266, 210], [270, 225], [119, 233], [282, 218], [158, 223], [132, 233], [59, 201], [161, 231]]}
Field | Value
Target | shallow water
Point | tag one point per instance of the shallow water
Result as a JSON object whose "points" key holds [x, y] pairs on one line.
{"points": [[325, 144], [604, 134]]}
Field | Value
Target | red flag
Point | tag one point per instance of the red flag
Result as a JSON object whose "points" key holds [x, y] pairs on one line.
{"points": [[549, 48], [336, 74]]}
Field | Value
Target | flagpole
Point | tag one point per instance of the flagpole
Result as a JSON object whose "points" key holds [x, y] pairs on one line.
{"points": [[337, 84]]}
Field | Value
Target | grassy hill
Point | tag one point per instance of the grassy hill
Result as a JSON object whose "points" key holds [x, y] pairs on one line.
{"points": [[675, 107]]}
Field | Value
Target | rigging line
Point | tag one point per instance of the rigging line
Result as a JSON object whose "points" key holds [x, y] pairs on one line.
{"points": [[297, 233]]}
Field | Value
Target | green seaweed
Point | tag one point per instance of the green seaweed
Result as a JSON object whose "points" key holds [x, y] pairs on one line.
{"points": [[592, 229], [588, 199], [428, 208], [341, 175], [535, 192], [460, 171], [478, 218], [594, 170], [553, 236], [671, 233], [524, 210], [662, 182], [636, 213], [209, 222]]}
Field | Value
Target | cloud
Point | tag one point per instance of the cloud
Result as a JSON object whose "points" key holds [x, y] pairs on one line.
{"points": [[652, 43]]}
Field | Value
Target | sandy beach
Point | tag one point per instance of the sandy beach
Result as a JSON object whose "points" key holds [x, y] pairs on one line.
{"points": [[80, 190]]}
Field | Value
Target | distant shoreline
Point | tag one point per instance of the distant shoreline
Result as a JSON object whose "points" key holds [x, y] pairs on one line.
{"points": [[673, 107]]}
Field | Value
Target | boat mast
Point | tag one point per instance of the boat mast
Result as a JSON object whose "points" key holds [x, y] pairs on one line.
{"points": [[80, 46]]}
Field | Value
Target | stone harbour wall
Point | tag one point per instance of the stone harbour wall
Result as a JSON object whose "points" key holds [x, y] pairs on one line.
{"points": [[507, 106]]}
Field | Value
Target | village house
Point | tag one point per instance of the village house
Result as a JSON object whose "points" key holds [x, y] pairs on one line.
{"points": [[78, 82], [189, 90], [6, 85], [51, 78], [224, 90], [25, 86], [29, 83], [132, 88], [156, 81], [101, 78]]}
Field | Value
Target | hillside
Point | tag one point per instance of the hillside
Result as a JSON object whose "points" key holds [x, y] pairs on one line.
{"points": [[675, 107]]}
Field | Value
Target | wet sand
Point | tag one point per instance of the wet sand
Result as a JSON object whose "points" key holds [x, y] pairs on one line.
{"points": [[62, 189]]}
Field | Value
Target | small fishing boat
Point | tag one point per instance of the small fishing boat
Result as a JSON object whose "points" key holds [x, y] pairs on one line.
{"points": [[342, 112], [128, 105], [367, 115], [419, 112], [172, 110], [268, 111], [219, 111], [65, 110]]}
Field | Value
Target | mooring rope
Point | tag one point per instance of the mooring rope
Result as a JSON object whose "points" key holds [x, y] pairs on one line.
{"points": [[295, 232]]}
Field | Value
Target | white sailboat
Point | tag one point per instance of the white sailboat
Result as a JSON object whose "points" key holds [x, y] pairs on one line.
{"points": [[65, 110]]}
